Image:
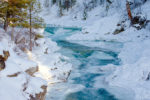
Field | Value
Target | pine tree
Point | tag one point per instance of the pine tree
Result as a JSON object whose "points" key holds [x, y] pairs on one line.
{"points": [[3, 13], [46, 3], [19, 14], [60, 8], [34, 21], [85, 11], [67, 4], [13, 12], [110, 2], [22, 13], [72, 3], [53, 1]]}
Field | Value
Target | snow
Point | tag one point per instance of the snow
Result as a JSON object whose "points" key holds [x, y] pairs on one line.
{"points": [[132, 75], [52, 68], [12, 87], [134, 71]]}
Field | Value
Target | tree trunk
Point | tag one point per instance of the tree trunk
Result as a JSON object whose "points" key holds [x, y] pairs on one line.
{"points": [[60, 9], [30, 11], [109, 1], [129, 10], [46, 3], [12, 34], [6, 21], [6, 24], [67, 4]]}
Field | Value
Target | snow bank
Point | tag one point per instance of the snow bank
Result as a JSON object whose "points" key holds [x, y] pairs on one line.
{"points": [[135, 71], [15, 82], [53, 67], [26, 74]]}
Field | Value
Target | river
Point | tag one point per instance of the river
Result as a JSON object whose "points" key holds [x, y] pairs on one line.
{"points": [[86, 61]]}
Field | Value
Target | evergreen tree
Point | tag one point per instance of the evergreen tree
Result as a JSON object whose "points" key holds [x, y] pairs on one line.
{"points": [[34, 21], [67, 4], [46, 3], [13, 12], [72, 2], [53, 1], [109, 1], [60, 9], [22, 13]]}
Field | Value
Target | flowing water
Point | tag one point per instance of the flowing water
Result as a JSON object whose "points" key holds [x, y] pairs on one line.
{"points": [[86, 63]]}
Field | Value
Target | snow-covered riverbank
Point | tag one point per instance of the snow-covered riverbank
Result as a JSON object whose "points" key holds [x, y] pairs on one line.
{"points": [[27, 75]]}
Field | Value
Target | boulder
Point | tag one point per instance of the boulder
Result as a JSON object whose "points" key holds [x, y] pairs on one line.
{"points": [[2, 63], [32, 70], [41, 95], [3, 59]]}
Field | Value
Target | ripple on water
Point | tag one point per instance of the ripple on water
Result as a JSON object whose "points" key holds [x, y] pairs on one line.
{"points": [[90, 94], [88, 57], [87, 79]]}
